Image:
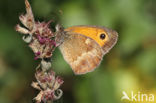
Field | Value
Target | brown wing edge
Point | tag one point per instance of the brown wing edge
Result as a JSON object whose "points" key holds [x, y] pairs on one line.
{"points": [[113, 36]]}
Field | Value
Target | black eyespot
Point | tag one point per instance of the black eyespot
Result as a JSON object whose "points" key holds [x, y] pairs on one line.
{"points": [[102, 36]]}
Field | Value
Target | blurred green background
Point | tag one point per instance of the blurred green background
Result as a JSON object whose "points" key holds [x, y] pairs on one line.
{"points": [[129, 66]]}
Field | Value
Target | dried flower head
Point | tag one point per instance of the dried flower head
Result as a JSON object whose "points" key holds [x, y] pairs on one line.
{"points": [[37, 34], [43, 41], [48, 85]]}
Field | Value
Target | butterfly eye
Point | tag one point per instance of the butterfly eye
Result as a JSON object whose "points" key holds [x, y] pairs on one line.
{"points": [[102, 36]]}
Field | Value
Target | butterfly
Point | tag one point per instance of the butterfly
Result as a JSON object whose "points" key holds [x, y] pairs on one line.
{"points": [[83, 47]]}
